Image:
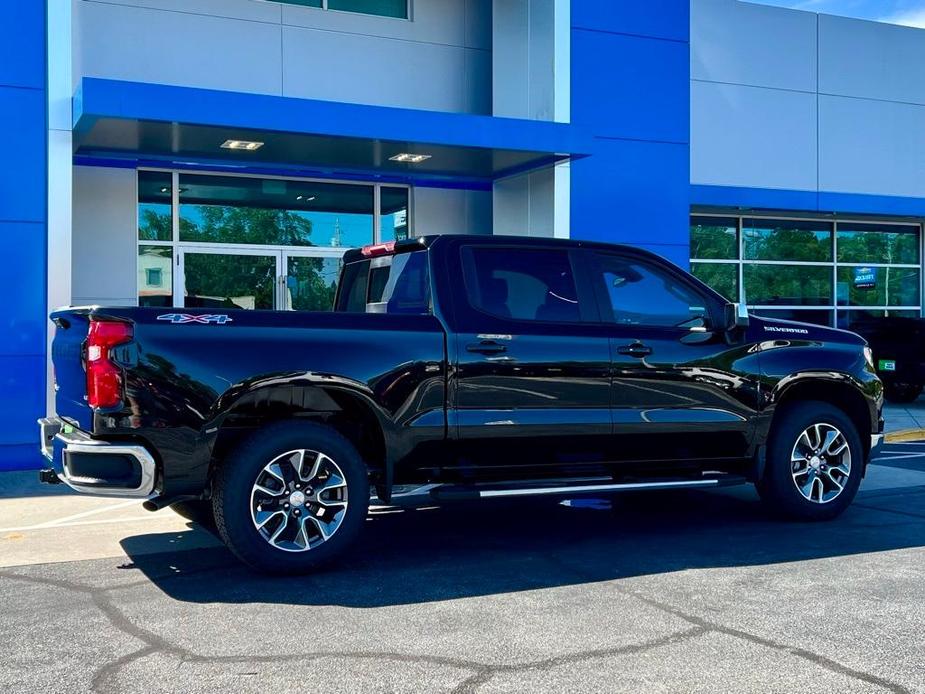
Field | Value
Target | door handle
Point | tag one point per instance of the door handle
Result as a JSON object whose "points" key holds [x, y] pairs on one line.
{"points": [[637, 349], [486, 347]]}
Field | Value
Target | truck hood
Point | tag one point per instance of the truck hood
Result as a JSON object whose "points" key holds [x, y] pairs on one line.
{"points": [[771, 328]]}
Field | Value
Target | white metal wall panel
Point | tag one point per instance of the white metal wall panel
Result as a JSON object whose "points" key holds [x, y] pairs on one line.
{"points": [[753, 137], [874, 147], [374, 70], [871, 60], [744, 43], [182, 48], [105, 240], [448, 211], [439, 61]]}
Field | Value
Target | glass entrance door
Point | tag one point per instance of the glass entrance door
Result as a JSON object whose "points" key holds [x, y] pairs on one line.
{"points": [[257, 279], [309, 281]]}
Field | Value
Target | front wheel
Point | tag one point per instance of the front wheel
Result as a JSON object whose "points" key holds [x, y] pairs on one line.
{"points": [[292, 497], [814, 464]]}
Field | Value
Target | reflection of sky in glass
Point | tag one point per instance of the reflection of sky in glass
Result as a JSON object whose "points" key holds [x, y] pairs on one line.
{"points": [[328, 228]]}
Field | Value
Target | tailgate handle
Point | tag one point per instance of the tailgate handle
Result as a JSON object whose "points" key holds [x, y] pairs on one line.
{"points": [[486, 347]]}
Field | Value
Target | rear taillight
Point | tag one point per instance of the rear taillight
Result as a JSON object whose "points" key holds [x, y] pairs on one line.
{"points": [[104, 376]]}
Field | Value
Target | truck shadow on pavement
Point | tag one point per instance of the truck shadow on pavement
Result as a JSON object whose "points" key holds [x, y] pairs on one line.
{"points": [[487, 548]]}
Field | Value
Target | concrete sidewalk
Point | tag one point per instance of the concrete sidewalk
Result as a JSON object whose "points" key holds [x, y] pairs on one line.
{"points": [[907, 420]]}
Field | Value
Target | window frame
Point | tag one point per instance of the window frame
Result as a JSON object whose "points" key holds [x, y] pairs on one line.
{"points": [[711, 300], [836, 311], [177, 247], [409, 8], [587, 302]]}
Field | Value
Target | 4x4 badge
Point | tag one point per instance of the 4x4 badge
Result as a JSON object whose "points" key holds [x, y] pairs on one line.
{"points": [[177, 318]]}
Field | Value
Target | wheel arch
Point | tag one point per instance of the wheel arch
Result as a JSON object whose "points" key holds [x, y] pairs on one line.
{"points": [[839, 391], [346, 410]]}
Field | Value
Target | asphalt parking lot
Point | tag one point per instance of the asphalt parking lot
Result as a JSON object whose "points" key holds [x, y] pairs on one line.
{"points": [[680, 592]]}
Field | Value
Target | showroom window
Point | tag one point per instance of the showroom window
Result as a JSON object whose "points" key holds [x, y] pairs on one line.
{"points": [[831, 272], [213, 241], [398, 9]]}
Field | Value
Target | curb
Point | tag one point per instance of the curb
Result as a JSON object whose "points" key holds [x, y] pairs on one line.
{"points": [[905, 435]]}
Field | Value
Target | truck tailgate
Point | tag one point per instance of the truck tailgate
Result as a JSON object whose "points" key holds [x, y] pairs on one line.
{"points": [[67, 353]]}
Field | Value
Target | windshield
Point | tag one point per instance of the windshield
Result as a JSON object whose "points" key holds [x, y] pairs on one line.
{"points": [[387, 284]]}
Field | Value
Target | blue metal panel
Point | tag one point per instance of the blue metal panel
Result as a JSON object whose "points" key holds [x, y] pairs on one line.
{"points": [[23, 375], [137, 101], [806, 201], [23, 322], [22, 173], [665, 19], [758, 198], [631, 87], [24, 456], [22, 230], [22, 44], [632, 192]]}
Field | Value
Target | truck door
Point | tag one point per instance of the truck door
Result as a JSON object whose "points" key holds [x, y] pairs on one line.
{"points": [[532, 384], [680, 390]]}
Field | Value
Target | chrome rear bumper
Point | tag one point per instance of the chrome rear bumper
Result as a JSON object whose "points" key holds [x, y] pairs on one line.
{"points": [[91, 466]]}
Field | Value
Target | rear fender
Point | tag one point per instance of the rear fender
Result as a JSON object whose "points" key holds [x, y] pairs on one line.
{"points": [[283, 395]]}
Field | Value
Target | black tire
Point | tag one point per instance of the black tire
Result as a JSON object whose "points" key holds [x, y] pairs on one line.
{"points": [[778, 489], [901, 392], [198, 511], [236, 476]]}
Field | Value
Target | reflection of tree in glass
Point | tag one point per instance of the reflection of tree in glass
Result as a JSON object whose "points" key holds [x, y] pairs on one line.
{"points": [[222, 224], [309, 289], [721, 277], [788, 244], [713, 242], [154, 226], [877, 247], [219, 280]]}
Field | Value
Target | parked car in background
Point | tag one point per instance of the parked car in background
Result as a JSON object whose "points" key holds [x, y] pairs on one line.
{"points": [[898, 346], [464, 368]]}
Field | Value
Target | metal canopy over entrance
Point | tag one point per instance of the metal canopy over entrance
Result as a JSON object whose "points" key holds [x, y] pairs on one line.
{"points": [[132, 121]]}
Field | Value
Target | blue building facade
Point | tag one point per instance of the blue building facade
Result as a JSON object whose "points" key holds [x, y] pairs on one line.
{"points": [[184, 153]]}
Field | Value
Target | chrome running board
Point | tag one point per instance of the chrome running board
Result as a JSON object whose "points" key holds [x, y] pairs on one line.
{"points": [[575, 487]]}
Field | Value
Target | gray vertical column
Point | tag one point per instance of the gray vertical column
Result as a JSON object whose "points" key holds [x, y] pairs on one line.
{"points": [[531, 79]]}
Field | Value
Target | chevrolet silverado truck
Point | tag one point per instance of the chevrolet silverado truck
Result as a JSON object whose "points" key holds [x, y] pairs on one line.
{"points": [[456, 367]]}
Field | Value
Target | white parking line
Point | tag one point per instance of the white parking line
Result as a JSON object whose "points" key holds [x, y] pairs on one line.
{"points": [[102, 521], [66, 520]]}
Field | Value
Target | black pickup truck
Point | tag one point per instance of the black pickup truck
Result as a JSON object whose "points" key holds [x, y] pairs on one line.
{"points": [[456, 367]]}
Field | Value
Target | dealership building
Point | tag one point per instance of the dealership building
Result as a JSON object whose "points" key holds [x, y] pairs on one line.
{"points": [[216, 153]]}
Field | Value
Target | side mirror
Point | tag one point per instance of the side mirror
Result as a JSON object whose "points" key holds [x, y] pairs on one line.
{"points": [[736, 316]]}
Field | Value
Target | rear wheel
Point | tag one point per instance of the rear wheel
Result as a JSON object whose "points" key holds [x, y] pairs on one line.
{"points": [[901, 392], [814, 464], [292, 497]]}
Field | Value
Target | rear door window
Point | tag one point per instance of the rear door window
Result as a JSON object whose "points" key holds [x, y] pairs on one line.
{"points": [[522, 284]]}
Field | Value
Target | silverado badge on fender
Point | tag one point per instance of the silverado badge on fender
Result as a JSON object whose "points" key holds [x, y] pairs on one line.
{"points": [[206, 318]]}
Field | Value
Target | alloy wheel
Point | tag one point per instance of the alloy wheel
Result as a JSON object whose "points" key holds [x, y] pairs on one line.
{"points": [[299, 500], [820, 463]]}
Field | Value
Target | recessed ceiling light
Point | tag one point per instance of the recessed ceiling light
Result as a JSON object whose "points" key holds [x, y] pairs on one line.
{"points": [[165, 189], [410, 158], [247, 145], [302, 197]]}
